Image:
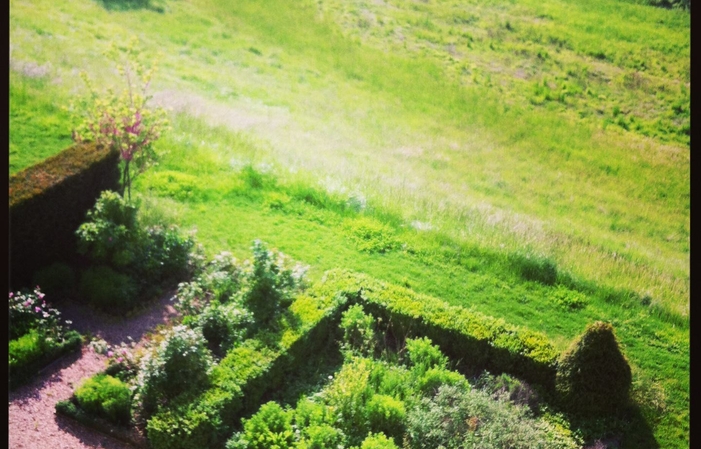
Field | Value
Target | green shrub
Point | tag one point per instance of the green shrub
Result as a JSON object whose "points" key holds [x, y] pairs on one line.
{"points": [[424, 355], [431, 380], [371, 235], [378, 441], [358, 331], [268, 283], [593, 376], [26, 349], [180, 364], [107, 397], [56, 279], [108, 290], [386, 414], [110, 233], [321, 436], [223, 325], [459, 419], [269, 428], [568, 299]]}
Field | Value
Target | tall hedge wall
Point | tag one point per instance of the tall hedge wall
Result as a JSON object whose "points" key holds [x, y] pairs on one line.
{"points": [[48, 202]]}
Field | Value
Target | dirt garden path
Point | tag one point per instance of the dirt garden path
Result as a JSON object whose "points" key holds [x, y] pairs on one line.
{"points": [[33, 423]]}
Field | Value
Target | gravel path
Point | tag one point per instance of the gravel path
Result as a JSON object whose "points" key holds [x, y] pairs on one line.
{"points": [[33, 423]]}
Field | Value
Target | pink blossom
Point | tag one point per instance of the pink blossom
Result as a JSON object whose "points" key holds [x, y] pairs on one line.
{"points": [[41, 295], [27, 303], [120, 360], [37, 309], [110, 353], [11, 294]]}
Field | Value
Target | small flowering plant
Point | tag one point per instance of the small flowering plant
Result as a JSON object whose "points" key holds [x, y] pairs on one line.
{"points": [[122, 358], [124, 122], [29, 310]]}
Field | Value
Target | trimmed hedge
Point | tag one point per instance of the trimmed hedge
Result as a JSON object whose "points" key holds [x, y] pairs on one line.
{"points": [[24, 369], [48, 202], [478, 340]]}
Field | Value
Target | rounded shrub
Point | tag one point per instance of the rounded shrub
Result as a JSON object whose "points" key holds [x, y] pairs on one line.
{"points": [[358, 330], [107, 397], [593, 376], [378, 441], [108, 290], [180, 364], [386, 414]]}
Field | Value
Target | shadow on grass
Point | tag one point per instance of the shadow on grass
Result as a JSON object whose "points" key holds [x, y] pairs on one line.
{"points": [[627, 429], [127, 5]]}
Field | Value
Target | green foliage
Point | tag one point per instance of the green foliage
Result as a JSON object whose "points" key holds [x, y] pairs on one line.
{"points": [[456, 418], [424, 355], [37, 335], [371, 235], [378, 441], [105, 396], [387, 415], [268, 283], [569, 299], [270, 428], [26, 349], [180, 364], [112, 235], [593, 376], [108, 290], [223, 325], [358, 331]]}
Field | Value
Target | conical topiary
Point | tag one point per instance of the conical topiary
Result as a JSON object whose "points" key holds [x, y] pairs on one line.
{"points": [[593, 376]]}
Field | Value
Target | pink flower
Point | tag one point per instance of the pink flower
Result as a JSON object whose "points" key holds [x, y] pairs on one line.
{"points": [[11, 294], [37, 309], [120, 360], [110, 353], [41, 295], [27, 303]]}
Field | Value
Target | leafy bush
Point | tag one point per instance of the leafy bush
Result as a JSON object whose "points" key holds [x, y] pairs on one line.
{"points": [[567, 298], [593, 376], [107, 397], [371, 235], [108, 290], [423, 355], [56, 279], [110, 234], [386, 414], [180, 364], [358, 331], [459, 419], [269, 428], [113, 237], [29, 310], [378, 441], [269, 282], [26, 349], [223, 325]]}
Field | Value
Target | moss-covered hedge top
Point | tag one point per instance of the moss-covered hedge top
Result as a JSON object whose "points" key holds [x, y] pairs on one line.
{"points": [[38, 178], [433, 311]]}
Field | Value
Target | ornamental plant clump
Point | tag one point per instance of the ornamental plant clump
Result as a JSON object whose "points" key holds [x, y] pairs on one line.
{"points": [[123, 122], [29, 310]]}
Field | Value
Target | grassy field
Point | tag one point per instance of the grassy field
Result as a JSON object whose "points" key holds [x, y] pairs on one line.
{"points": [[465, 139]]}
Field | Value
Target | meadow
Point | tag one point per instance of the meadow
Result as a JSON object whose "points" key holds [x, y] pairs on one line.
{"points": [[528, 160]]}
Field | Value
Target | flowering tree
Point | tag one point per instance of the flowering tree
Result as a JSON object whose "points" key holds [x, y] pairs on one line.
{"points": [[124, 122]]}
